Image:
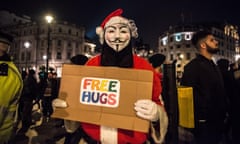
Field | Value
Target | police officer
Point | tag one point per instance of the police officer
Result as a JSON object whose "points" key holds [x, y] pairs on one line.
{"points": [[11, 87]]}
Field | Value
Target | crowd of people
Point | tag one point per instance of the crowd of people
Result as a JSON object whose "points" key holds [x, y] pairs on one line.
{"points": [[216, 90], [40, 92]]}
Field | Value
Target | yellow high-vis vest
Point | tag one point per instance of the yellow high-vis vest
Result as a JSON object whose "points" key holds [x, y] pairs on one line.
{"points": [[10, 91]]}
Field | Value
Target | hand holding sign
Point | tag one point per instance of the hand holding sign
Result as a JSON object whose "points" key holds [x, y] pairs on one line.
{"points": [[147, 109], [59, 103]]}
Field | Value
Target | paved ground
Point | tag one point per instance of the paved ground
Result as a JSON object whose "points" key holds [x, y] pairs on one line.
{"points": [[44, 131]]}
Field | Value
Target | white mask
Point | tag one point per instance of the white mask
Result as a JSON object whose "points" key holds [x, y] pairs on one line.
{"points": [[117, 36]]}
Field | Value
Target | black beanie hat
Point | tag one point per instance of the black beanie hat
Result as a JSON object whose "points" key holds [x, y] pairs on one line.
{"points": [[5, 38], [157, 60], [79, 59], [31, 72]]}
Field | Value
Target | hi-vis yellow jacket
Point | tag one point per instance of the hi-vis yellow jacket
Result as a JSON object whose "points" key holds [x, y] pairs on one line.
{"points": [[10, 91]]}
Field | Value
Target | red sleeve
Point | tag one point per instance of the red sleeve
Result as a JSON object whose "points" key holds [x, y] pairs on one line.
{"points": [[141, 63], [95, 61]]}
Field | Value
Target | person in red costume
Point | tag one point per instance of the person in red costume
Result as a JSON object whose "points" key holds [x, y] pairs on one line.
{"points": [[116, 33]]}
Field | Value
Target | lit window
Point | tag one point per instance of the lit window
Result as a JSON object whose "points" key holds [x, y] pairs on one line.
{"points": [[164, 41], [178, 37], [188, 35]]}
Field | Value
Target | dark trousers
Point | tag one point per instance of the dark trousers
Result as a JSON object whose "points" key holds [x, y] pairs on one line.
{"points": [[47, 106], [208, 133], [73, 138], [204, 134], [26, 114]]}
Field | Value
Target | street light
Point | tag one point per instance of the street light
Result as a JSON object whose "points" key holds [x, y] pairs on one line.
{"points": [[26, 45], [49, 20]]}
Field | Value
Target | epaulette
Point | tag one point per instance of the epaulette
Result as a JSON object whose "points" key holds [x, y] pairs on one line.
{"points": [[3, 69]]}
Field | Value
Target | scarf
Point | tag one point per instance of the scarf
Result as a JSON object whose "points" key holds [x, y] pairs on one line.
{"points": [[123, 58]]}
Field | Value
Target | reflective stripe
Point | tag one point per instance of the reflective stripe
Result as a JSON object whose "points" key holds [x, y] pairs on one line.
{"points": [[3, 113], [6, 112], [10, 114], [3, 109], [202, 121]]}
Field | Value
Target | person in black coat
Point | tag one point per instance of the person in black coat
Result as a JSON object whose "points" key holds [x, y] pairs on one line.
{"points": [[29, 94], [203, 75]]}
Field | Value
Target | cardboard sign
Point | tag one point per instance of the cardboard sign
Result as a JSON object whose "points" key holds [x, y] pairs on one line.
{"points": [[100, 92], [104, 95]]}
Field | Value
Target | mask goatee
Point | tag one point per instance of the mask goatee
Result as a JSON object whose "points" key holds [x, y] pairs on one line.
{"points": [[123, 58]]}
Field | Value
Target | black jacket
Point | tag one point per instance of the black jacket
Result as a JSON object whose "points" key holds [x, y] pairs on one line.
{"points": [[30, 88], [208, 90]]}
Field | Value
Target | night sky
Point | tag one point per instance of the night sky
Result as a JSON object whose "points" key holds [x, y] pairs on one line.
{"points": [[152, 17]]}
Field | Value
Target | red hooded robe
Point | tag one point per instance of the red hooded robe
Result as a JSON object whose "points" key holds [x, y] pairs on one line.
{"points": [[127, 136]]}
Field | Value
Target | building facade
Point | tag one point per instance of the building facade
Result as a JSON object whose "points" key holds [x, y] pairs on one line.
{"points": [[176, 43], [8, 18], [33, 42]]}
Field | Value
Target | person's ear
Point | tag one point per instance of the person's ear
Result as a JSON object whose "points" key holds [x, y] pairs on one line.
{"points": [[202, 44]]}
